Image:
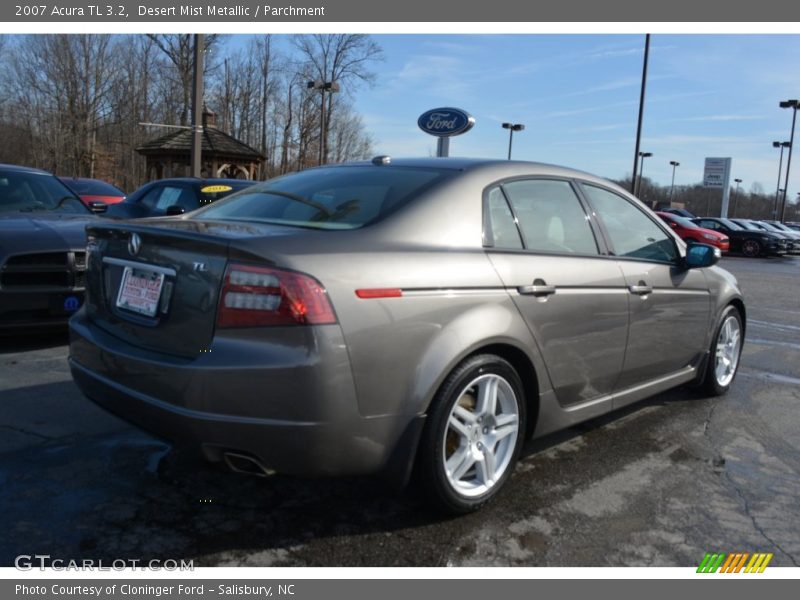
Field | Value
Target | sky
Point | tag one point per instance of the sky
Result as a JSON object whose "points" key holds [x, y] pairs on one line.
{"points": [[578, 96]]}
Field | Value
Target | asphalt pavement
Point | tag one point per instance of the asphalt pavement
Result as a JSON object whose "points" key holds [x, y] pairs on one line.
{"points": [[657, 484]]}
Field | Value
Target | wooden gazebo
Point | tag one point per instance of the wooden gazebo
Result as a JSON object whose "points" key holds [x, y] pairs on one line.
{"points": [[222, 154]]}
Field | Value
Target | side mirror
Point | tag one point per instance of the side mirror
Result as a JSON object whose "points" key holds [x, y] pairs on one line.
{"points": [[175, 210], [98, 207], [701, 255]]}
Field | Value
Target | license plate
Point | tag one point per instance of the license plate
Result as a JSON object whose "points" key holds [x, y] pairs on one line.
{"points": [[140, 291]]}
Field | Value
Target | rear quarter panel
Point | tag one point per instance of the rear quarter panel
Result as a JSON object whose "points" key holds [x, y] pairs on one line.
{"points": [[401, 349]]}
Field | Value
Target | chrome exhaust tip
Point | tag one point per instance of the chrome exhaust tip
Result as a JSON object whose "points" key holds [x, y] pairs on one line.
{"points": [[242, 463]]}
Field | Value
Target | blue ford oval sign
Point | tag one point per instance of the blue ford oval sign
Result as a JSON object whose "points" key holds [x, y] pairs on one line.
{"points": [[445, 122]]}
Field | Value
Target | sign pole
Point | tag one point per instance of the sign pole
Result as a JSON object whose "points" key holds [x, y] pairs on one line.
{"points": [[726, 189], [443, 147]]}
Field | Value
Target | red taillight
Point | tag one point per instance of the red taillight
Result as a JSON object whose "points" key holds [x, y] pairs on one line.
{"points": [[261, 297]]}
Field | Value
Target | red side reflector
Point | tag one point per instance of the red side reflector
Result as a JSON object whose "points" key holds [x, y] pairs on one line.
{"points": [[379, 293]]}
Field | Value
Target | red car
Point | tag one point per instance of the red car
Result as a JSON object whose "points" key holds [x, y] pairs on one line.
{"points": [[94, 190], [692, 234]]}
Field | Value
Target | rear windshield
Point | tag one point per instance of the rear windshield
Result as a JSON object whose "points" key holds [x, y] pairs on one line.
{"points": [[22, 191], [329, 198]]}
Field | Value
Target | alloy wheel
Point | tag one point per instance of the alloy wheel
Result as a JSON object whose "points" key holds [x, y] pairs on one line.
{"points": [[481, 435], [728, 348], [751, 248]]}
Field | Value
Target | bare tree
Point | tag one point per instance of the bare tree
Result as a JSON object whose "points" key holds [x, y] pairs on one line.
{"points": [[62, 89], [178, 48], [73, 104], [135, 99], [345, 58], [348, 139]]}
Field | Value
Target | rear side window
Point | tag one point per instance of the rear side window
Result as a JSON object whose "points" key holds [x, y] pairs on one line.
{"points": [[551, 217], [504, 230], [632, 233], [328, 198]]}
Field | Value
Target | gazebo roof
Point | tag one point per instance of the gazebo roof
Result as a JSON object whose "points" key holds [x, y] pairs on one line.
{"points": [[215, 143]]}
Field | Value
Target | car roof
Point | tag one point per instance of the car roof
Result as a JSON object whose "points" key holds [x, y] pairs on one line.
{"points": [[203, 180], [22, 169], [503, 168], [70, 178]]}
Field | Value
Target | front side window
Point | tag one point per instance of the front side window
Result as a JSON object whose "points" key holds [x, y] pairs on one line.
{"points": [[708, 224], [551, 217], [632, 233]]}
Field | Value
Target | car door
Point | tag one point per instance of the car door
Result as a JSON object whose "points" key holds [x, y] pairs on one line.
{"points": [[669, 304], [572, 297]]}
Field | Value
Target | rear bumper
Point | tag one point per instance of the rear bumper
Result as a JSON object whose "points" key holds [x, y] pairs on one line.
{"points": [[296, 416]]}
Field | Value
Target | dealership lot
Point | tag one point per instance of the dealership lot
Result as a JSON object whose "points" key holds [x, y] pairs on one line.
{"points": [[658, 484]]}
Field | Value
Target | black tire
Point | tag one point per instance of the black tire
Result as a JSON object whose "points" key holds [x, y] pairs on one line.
{"points": [[711, 384], [436, 440], [751, 248]]}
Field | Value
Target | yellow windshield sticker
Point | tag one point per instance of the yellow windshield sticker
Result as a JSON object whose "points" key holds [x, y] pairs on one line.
{"points": [[214, 189]]}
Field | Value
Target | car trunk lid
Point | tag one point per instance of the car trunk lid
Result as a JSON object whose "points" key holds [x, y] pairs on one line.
{"points": [[156, 285]]}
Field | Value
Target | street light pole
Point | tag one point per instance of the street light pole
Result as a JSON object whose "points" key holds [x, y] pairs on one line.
{"points": [[636, 152], [674, 164], [196, 153], [793, 105], [642, 156], [780, 145], [735, 194], [323, 86], [512, 127]]}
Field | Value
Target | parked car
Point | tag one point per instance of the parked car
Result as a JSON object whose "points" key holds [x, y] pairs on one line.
{"points": [[787, 243], [692, 234], [793, 237], [792, 225], [174, 196], [749, 242], [42, 249], [94, 191], [385, 316]]}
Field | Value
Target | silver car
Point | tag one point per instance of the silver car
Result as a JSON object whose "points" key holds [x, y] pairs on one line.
{"points": [[401, 317]]}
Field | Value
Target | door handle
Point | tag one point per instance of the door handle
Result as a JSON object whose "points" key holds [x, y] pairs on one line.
{"points": [[641, 289], [538, 289]]}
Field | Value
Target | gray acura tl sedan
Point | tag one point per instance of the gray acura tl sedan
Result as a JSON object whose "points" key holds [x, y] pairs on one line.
{"points": [[409, 317]]}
